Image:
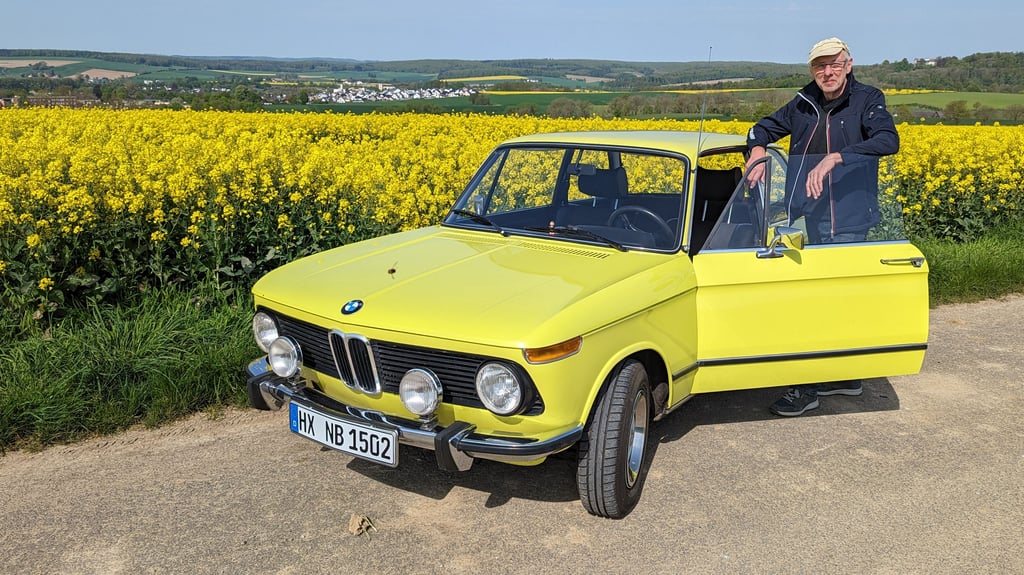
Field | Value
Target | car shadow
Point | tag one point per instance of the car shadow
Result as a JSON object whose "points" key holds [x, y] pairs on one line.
{"points": [[752, 405], [555, 479], [552, 481]]}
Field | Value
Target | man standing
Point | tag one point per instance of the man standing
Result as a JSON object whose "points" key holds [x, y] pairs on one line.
{"points": [[839, 129]]}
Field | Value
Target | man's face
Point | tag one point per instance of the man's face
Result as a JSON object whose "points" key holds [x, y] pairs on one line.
{"points": [[830, 73]]}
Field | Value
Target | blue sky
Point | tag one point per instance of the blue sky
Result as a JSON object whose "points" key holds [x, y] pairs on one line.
{"points": [[641, 30]]}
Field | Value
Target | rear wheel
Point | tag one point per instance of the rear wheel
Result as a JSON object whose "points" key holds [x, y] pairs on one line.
{"points": [[614, 455]]}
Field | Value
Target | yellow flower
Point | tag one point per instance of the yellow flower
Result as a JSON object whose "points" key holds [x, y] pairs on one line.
{"points": [[94, 254], [46, 284], [3, 266], [71, 175]]}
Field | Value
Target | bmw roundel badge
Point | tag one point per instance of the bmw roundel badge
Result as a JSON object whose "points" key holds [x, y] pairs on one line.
{"points": [[352, 306]]}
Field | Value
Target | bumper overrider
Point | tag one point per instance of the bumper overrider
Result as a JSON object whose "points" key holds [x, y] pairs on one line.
{"points": [[455, 446]]}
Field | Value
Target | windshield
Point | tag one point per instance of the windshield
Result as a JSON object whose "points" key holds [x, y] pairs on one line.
{"points": [[622, 198]]}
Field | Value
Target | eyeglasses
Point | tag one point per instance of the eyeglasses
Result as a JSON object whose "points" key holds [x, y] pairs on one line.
{"points": [[836, 66]]}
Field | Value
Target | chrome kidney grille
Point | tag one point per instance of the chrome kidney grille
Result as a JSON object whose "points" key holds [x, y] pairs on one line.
{"points": [[376, 367], [354, 359]]}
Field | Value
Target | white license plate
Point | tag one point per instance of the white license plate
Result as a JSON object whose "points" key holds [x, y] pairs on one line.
{"points": [[371, 443]]}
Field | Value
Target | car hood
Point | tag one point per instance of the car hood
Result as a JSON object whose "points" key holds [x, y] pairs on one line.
{"points": [[475, 286]]}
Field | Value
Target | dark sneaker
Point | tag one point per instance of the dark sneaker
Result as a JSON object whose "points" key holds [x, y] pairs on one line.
{"points": [[796, 401], [852, 387]]}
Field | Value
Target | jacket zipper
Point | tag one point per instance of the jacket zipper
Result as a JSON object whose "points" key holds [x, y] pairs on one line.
{"points": [[803, 156], [828, 150]]}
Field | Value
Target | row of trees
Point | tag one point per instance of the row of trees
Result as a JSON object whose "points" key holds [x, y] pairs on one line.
{"points": [[958, 111], [710, 104], [227, 94], [987, 72]]}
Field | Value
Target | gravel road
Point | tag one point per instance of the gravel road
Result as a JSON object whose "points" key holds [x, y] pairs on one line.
{"points": [[921, 474]]}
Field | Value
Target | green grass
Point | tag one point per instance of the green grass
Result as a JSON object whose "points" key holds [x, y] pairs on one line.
{"points": [[170, 354], [104, 369], [970, 271]]}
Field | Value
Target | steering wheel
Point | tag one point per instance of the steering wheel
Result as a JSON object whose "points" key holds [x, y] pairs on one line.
{"points": [[662, 226]]}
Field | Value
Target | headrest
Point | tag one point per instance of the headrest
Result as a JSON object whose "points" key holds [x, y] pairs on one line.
{"points": [[610, 183], [717, 185]]}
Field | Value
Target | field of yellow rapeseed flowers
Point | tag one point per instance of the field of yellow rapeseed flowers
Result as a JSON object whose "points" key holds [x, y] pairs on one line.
{"points": [[956, 181], [97, 202]]}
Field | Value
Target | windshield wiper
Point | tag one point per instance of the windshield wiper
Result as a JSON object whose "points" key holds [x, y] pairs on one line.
{"points": [[573, 231], [480, 220]]}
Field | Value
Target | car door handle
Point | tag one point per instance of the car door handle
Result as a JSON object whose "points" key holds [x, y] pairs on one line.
{"points": [[916, 262]]}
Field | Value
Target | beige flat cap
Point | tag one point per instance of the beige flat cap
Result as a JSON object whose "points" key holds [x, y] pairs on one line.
{"points": [[827, 47]]}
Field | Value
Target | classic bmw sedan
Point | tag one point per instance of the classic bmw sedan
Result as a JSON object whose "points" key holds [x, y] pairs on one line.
{"points": [[582, 286]]}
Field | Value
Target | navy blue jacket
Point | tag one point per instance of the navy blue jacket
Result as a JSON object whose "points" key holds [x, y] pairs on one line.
{"points": [[859, 128]]}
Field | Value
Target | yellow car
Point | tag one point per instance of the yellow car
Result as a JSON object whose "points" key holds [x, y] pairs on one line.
{"points": [[583, 285]]}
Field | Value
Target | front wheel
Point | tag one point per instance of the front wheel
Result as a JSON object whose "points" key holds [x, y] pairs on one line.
{"points": [[614, 456]]}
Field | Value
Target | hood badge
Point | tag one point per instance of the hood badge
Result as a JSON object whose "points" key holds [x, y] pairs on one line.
{"points": [[352, 307]]}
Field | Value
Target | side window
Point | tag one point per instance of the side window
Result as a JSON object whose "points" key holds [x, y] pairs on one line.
{"points": [[716, 180], [722, 161], [852, 197], [777, 213], [890, 228], [741, 225]]}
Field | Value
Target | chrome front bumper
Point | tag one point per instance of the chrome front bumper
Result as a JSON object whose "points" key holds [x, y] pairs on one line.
{"points": [[455, 446]]}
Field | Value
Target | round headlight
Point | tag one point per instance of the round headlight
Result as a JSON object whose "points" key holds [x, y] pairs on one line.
{"points": [[285, 357], [264, 328], [499, 388], [420, 391]]}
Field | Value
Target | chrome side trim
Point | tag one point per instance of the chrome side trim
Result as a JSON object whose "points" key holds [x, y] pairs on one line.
{"points": [[812, 355]]}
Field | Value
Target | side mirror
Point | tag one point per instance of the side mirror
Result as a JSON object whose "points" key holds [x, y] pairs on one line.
{"points": [[785, 237], [790, 237]]}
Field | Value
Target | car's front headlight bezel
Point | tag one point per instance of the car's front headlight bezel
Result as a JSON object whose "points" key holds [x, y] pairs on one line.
{"points": [[265, 330], [504, 388], [285, 357]]}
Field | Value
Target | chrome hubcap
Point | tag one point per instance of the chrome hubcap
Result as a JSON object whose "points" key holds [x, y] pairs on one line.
{"points": [[637, 438]]}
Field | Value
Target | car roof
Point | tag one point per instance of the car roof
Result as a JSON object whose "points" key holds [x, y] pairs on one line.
{"points": [[685, 143]]}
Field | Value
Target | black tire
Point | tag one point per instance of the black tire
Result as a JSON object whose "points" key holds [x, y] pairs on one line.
{"points": [[614, 453]]}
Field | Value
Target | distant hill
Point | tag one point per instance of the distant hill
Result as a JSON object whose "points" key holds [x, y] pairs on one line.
{"points": [[983, 72]]}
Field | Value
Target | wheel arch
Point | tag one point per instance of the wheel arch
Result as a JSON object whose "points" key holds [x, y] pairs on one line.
{"points": [[657, 376]]}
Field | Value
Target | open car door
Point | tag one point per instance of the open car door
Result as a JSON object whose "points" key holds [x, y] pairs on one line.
{"points": [[773, 312]]}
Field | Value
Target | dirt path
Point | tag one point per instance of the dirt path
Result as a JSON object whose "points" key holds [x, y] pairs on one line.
{"points": [[921, 474]]}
